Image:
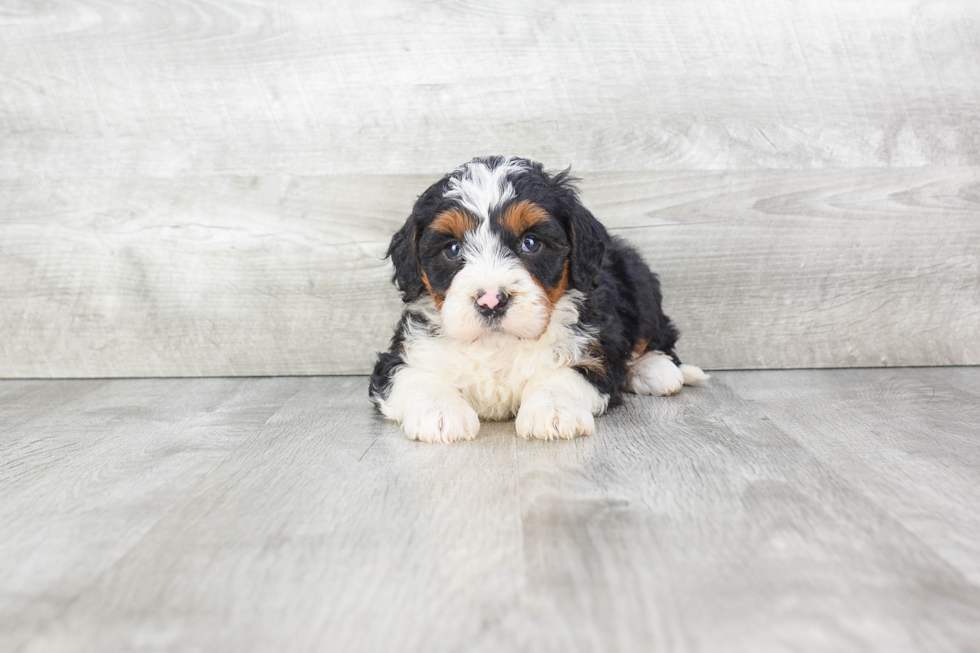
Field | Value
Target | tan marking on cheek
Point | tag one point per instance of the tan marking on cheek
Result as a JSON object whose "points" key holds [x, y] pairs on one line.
{"points": [[522, 216], [454, 222], [436, 297], [556, 293]]}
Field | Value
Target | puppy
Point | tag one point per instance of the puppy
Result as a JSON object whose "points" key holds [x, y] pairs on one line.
{"points": [[518, 302]]}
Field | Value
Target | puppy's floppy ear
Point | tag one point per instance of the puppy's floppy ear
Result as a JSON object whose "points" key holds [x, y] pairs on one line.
{"points": [[586, 234], [404, 254], [404, 247]]}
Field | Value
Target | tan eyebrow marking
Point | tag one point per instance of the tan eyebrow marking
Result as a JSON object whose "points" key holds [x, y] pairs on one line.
{"points": [[453, 221], [522, 216]]}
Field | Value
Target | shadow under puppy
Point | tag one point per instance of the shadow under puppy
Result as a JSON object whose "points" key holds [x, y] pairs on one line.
{"points": [[518, 302]]}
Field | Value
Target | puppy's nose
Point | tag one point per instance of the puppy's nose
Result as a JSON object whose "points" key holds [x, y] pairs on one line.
{"points": [[490, 298], [491, 302]]}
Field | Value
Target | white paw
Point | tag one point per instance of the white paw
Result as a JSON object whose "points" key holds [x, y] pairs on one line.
{"points": [[693, 375], [441, 421], [655, 374], [545, 416]]}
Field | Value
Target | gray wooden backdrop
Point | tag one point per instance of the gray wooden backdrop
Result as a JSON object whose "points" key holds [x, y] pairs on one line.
{"points": [[204, 188]]}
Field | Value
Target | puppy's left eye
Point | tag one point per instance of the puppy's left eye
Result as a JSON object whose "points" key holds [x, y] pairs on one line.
{"points": [[531, 244]]}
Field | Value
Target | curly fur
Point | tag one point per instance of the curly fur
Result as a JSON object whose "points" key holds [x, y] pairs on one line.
{"points": [[579, 321]]}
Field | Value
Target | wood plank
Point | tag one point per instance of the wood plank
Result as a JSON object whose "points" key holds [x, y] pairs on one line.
{"points": [[81, 484], [22, 401], [211, 198], [193, 277], [906, 439], [962, 378], [326, 528], [793, 269], [254, 275], [690, 523], [694, 523], [382, 86]]}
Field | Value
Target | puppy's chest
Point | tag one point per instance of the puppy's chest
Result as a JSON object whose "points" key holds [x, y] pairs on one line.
{"points": [[491, 374]]}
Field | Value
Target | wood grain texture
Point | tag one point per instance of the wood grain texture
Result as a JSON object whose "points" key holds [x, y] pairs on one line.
{"points": [[305, 87], [718, 519], [878, 429], [88, 477], [192, 188], [252, 276]]}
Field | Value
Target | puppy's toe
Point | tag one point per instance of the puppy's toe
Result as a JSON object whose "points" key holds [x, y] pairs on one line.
{"points": [[656, 374], [441, 421], [546, 417]]}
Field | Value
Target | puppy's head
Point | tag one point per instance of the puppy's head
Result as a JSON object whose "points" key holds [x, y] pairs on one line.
{"points": [[496, 244]]}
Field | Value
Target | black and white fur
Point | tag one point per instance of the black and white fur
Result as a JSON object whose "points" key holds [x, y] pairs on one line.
{"points": [[579, 320]]}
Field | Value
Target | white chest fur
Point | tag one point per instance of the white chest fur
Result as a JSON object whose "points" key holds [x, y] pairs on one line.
{"points": [[492, 372]]}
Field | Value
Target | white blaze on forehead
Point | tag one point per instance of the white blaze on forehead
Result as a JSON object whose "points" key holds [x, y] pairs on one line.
{"points": [[485, 254], [480, 189]]}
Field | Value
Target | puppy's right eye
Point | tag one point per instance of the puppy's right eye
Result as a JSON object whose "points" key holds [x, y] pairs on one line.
{"points": [[453, 250]]}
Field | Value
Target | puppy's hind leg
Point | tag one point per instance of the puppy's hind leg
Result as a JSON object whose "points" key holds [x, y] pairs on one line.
{"points": [[655, 373], [693, 375]]}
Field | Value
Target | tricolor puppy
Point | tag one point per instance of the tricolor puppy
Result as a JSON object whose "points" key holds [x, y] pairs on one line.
{"points": [[518, 302]]}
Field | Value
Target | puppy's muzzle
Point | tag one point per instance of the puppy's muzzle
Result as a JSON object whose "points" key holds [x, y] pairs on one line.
{"points": [[492, 303]]}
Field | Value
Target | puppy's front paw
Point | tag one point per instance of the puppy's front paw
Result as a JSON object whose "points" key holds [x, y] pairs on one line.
{"points": [[546, 417], [441, 421]]}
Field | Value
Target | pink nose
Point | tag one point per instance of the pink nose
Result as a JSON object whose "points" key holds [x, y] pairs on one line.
{"points": [[489, 298]]}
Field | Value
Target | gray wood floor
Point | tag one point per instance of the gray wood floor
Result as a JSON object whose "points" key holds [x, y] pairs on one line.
{"points": [[833, 510]]}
